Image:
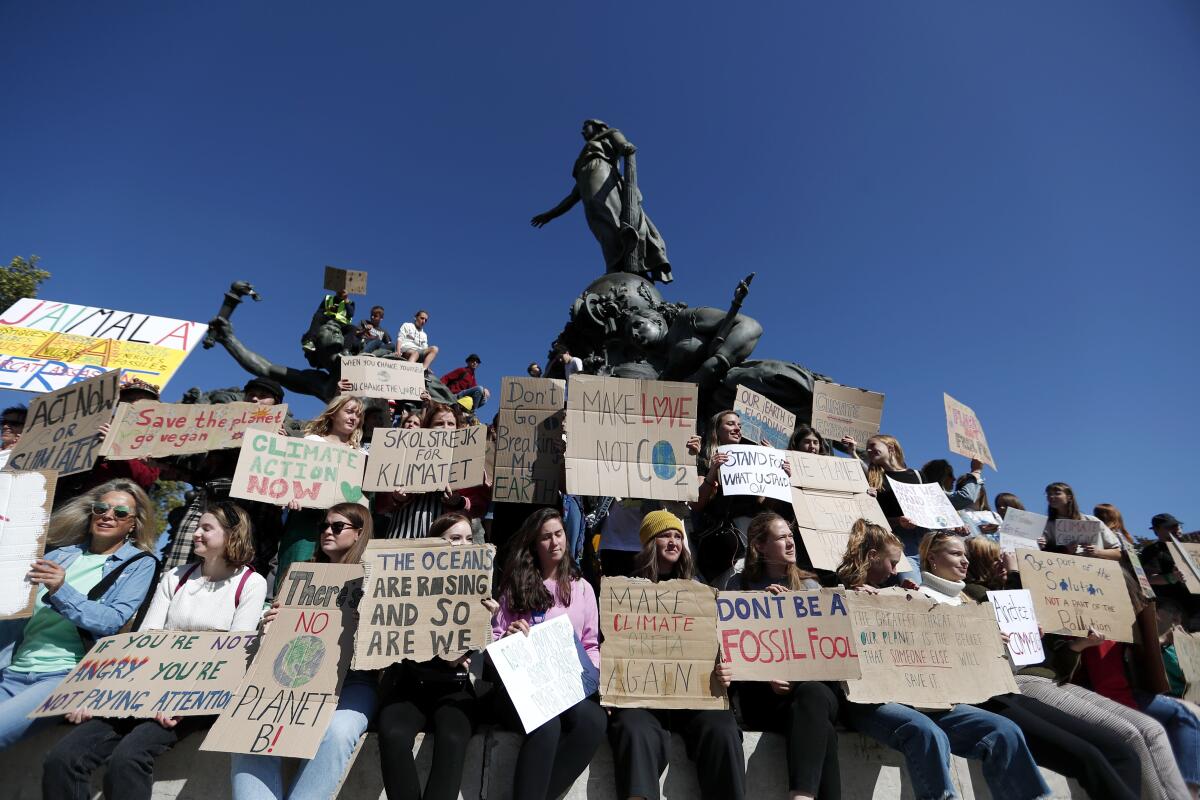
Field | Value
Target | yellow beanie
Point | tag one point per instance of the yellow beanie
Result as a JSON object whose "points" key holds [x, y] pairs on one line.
{"points": [[656, 522]]}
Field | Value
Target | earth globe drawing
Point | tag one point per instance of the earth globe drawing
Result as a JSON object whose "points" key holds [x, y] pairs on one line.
{"points": [[298, 661], [663, 458]]}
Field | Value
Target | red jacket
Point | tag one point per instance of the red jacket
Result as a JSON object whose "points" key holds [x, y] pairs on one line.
{"points": [[459, 380]]}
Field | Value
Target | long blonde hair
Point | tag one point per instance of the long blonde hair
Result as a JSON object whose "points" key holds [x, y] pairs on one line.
{"points": [[864, 537], [710, 437], [756, 568], [983, 555], [322, 424], [933, 543], [72, 523], [875, 473]]}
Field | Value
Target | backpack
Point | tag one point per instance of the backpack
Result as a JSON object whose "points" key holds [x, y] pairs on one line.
{"points": [[237, 595]]}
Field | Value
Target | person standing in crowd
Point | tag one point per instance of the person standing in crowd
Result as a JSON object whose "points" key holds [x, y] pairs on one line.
{"points": [[90, 586], [883, 459], [435, 696], [1006, 500], [12, 423], [220, 593], [542, 582], [337, 307], [412, 343], [804, 712], [534, 370], [570, 364], [1060, 501], [1164, 573], [1111, 516], [372, 333], [806, 439], [963, 494], [927, 739], [641, 737], [461, 382]]}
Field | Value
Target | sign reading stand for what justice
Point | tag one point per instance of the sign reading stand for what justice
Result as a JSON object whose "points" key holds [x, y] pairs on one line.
{"points": [[279, 469], [628, 438], [756, 471]]}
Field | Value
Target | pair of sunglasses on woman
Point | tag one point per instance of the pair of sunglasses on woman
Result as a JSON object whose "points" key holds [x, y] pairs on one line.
{"points": [[120, 512]]}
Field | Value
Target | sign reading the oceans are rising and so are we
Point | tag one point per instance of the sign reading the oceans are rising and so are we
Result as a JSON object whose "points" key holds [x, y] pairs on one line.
{"points": [[791, 636], [48, 345], [25, 502], [756, 471], [1072, 594], [289, 693], [422, 599], [62, 428], [155, 430], [628, 438], [278, 469], [763, 420], [841, 411], [529, 444], [386, 378], [426, 459], [965, 433], [177, 673]]}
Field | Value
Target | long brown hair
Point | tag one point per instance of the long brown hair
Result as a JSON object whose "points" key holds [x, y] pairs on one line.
{"points": [[710, 437], [864, 537], [645, 563], [875, 473], [756, 568], [239, 538], [1010, 500], [522, 584], [1111, 516], [984, 555], [1072, 505], [433, 409], [360, 517]]}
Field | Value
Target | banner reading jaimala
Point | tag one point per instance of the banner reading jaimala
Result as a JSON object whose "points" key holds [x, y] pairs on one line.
{"points": [[1074, 593], [278, 469], [794, 636], [628, 438], [177, 673], [924, 654], [529, 441], [154, 430], [660, 645], [283, 705], [422, 599], [62, 428], [425, 460]]}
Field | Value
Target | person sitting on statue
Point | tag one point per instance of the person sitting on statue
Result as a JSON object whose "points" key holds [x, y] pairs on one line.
{"points": [[534, 370], [413, 341], [337, 307], [569, 364], [461, 381], [372, 334]]}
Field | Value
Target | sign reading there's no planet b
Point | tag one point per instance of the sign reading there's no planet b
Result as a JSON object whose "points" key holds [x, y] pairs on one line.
{"points": [[279, 469], [753, 470]]}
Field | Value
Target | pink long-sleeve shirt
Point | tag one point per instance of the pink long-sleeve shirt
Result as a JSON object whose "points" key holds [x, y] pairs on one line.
{"points": [[583, 613]]}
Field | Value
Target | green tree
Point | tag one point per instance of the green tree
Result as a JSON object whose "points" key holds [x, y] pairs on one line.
{"points": [[167, 496], [20, 279]]}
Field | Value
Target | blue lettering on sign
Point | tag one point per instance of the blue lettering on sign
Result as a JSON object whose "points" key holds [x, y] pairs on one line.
{"points": [[663, 458]]}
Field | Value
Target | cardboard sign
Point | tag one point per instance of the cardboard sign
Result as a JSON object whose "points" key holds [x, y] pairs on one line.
{"points": [[422, 599], [1078, 532], [1130, 554], [795, 636], [1181, 552], [1074, 593], [763, 420], [628, 438], [965, 433], [975, 520], [829, 473], [1016, 617], [660, 645], [925, 654], [154, 430], [62, 428], [25, 502], [1021, 529], [541, 671], [278, 469], [756, 471], [426, 460], [49, 345], [824, 519], [1187, 650], [529, 441], [387, 378], [840, 411], [287, 698], [177, 673], [353, 281], [926, 505]]}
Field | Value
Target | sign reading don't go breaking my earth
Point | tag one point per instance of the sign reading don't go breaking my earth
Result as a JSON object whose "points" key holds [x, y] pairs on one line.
{"points": [[278, 469]]}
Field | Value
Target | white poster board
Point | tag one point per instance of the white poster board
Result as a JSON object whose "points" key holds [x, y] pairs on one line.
{"points": [[753, 470], [541, 671], [926, 505], [1016, 617], [1021, 529]]}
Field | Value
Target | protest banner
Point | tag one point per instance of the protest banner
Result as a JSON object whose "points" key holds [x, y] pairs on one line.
{"points": [[1074, 593], [25, 502], [1187, 651], [1015, 616], [975, 520], [289, 693], [762, 420], [830, 473], [840, 411], [386, 378], [353, 281], [529, 443], [965, 433], [278, 469], [756, 471], [1021, 529], [62, 428], [541, 671], [794, 636], [628, 438], [660, 645], [1078, 532], [49, 345], [824, 519], [926, 505], [1186, 556], [425, 459], [422, 599], [925, 654], [1130, 555], [154, 430], [177, 673]]}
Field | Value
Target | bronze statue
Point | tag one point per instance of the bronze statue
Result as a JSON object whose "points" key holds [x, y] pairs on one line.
{"points": [[612, 205]]}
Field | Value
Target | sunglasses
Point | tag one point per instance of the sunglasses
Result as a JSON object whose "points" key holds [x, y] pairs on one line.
{"points": [[120, 512], [336, 527]]}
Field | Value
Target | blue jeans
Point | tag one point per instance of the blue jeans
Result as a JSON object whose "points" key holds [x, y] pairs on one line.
{"points": [[926, 740], [261, 777], [1182, 728], [476, 395], [371, 345], [911, 539], [21, 693]]}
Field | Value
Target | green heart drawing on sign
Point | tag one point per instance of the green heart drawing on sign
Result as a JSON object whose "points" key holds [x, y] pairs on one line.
{"points": [[352, 493]]}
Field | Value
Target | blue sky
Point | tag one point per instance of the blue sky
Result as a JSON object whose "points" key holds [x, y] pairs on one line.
{"points": [[996, 200]]}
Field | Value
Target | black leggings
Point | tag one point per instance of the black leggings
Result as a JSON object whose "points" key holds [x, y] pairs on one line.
{"points": [[556, 753], [641, 742], [451, 717], [807, 718], [1105, 766]]}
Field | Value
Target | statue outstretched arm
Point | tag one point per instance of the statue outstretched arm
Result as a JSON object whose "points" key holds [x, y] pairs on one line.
{"points": [[563, 207], [306, 381]]}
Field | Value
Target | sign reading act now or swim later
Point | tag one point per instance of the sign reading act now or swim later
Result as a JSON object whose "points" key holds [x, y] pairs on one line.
{"points": [[628, 438], [793, 636], [62, 428], [278, 469]]}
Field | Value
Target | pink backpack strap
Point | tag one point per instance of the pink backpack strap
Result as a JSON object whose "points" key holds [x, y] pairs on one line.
{"points": [[237, 595], [185, 577]]}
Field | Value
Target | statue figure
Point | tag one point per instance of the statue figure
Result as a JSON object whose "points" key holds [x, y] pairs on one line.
{"points": [[612, 205]]}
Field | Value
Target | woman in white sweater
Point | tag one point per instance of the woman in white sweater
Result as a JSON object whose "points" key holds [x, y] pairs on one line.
{"points": [[219, 593]]}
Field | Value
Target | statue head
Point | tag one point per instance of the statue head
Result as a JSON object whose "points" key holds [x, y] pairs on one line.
{"points": [[591, 127], [647, 329], [329, 344]]}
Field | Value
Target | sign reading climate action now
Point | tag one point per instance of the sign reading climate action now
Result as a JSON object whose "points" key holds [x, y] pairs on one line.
{"points": [[278, 469], [793, 636]]}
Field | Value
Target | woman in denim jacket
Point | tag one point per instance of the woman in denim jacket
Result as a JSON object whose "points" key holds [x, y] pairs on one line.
{"points": [[105, 538]]}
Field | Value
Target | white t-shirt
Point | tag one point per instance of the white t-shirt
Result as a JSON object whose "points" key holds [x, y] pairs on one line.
{"points": [[204, 605], [573, 366], [413, 338]]}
